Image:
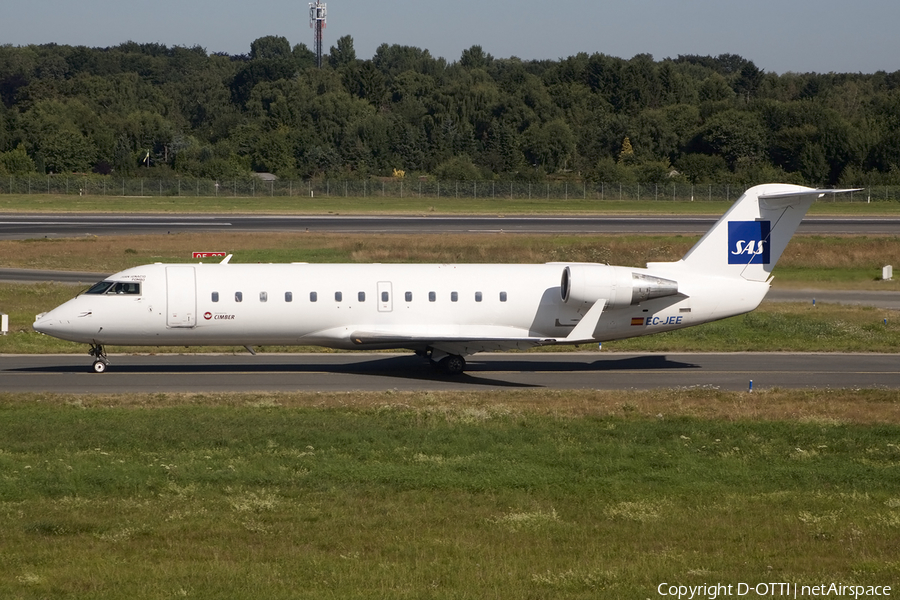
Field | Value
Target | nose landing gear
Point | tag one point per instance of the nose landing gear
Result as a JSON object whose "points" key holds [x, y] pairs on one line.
{"points": [[101, 361]]}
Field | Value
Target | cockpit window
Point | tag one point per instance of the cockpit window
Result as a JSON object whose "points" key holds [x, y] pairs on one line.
{"points": [[130, 288], [101, 287]]}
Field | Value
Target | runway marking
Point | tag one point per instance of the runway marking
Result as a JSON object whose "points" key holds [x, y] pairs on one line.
{"points": [[113, 223]]}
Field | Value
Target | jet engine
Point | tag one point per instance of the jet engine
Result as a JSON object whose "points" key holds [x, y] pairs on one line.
{"points": [[619, 286]]}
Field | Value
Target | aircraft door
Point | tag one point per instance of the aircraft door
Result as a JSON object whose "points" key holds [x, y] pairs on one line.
{"points": [[385, 299], [181, 297]]}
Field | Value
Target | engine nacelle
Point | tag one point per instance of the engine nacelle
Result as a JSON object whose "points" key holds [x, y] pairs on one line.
{"points": [[619, 286]]}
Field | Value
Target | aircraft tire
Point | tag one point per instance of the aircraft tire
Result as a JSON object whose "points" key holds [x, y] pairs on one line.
{"points": [[453, 364], [99, 366]]}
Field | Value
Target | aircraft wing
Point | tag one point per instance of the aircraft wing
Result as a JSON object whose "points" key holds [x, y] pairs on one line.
{"points": [[460, 340], [456, 344]]}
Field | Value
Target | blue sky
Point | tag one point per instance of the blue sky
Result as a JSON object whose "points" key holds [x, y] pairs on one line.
{"points": [[778, 35]]}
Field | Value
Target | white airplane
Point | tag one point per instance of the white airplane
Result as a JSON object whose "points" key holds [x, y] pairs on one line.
{"points": [[443, 311]]}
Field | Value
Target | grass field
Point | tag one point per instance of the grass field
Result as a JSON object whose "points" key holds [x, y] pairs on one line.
{"points": [[844, 262], [390, 205], [494, 495]]}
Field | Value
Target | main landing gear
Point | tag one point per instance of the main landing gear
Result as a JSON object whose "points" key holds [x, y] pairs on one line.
{"points": [[450, 364], [101, 361]]}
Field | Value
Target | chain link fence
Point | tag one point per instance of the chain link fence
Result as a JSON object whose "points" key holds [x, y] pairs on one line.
{"points": [[92, 185]]}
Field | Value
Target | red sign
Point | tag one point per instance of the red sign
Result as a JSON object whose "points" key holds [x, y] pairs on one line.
{"points": [[209, 254]]}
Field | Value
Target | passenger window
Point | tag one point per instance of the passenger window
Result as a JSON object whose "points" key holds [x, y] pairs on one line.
{"points": [[384, 296], [409, 296], [477, 296], [238, 296], [338, 296], [502, 296], [313, 296], [454, 297], [432, 296], [215, 296], [361, 296], [263, 296], [289, 296]]}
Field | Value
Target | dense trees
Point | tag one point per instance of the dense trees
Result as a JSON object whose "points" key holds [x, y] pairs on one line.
{"points": [[169, 111]]}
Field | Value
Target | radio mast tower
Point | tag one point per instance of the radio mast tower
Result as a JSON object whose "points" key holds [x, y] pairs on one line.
{"points": [[317, 22]]}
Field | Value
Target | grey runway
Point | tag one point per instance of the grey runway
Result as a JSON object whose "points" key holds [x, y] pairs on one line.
{"points": [[30, 226], [325, 372]]}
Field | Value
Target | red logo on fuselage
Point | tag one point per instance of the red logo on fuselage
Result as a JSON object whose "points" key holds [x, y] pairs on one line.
{"points": [[207, 316]]}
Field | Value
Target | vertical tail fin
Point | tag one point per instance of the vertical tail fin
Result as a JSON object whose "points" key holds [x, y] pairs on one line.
{"points": [[749, 239]]}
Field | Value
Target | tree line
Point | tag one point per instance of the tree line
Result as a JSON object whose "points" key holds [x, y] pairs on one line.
{"points": [[152, 110]]}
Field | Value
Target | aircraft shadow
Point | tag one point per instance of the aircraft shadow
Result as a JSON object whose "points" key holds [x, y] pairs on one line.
{"points": [[627, 363], [409, 367]]}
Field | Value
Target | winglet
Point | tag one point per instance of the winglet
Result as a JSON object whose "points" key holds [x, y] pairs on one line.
{"points": [[584, 331], [226, 260]]}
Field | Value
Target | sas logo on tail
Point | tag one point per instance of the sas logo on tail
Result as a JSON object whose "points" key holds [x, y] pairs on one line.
{"points": [[748, 242]]}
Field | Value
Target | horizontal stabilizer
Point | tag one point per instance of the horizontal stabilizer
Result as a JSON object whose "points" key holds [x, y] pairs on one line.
{"points": [[771, 201], [808, 192]]}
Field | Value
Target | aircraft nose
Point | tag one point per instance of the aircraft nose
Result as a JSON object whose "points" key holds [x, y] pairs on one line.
{"points": [[43, 323]]}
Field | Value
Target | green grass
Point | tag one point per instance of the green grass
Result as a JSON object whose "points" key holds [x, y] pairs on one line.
{"points": [[507, 495], [789, 327], [389, 205]]}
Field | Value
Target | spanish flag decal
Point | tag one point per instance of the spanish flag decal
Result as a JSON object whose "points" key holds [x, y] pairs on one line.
{"points": [[637, 321]]}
